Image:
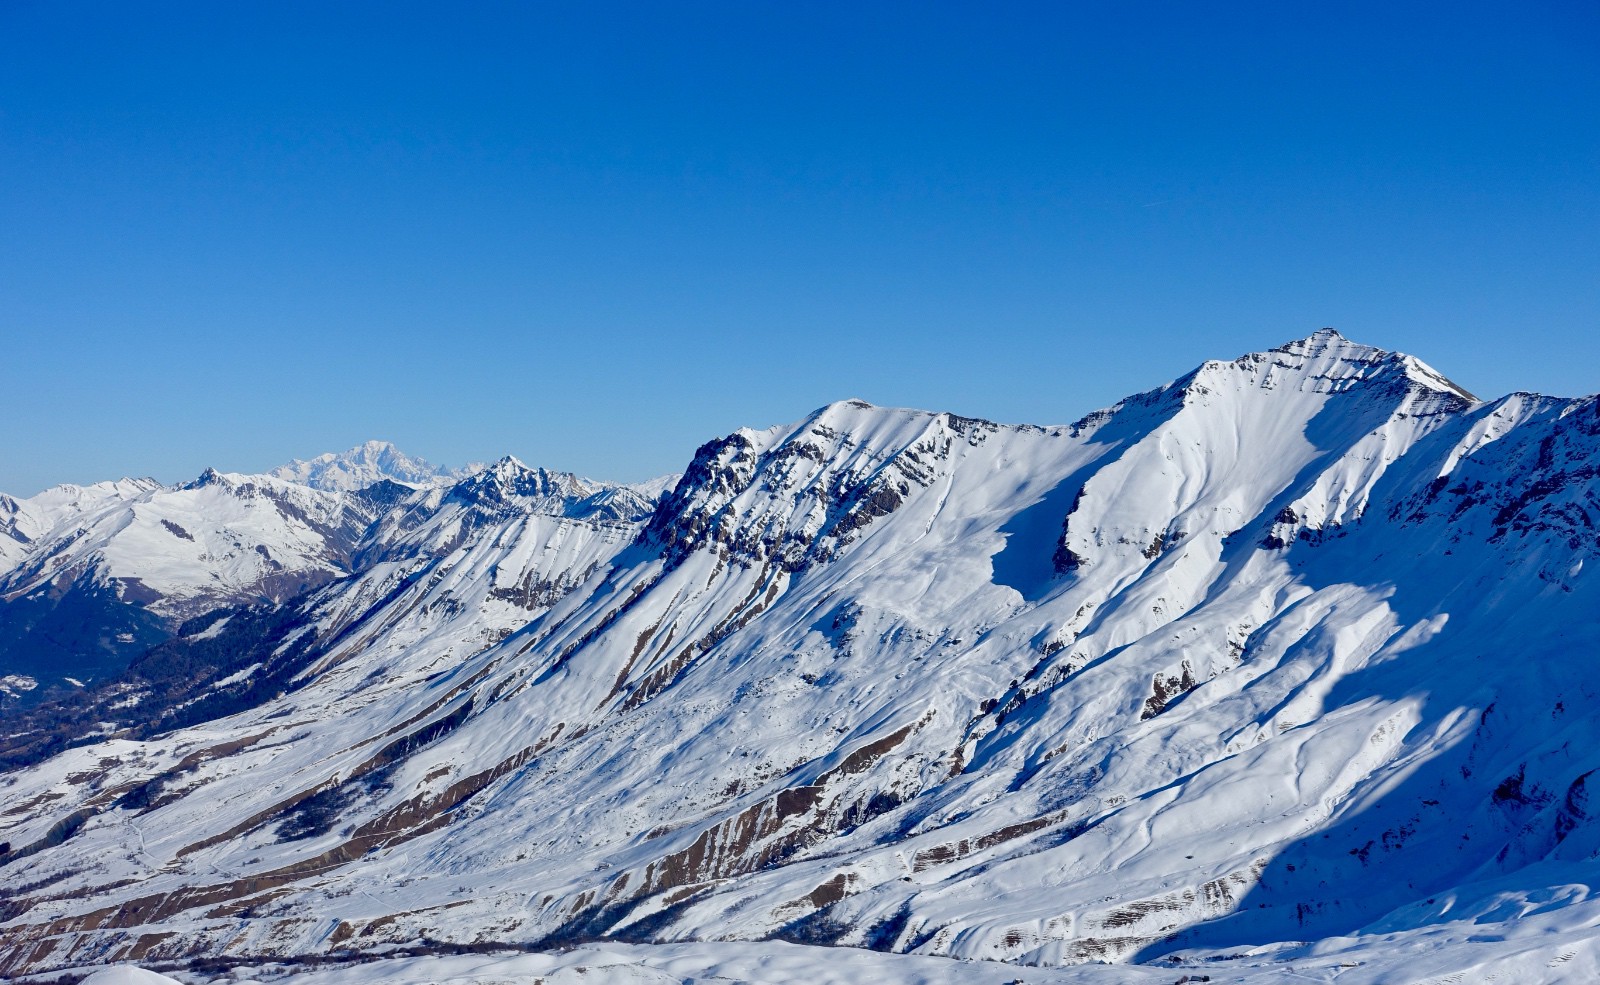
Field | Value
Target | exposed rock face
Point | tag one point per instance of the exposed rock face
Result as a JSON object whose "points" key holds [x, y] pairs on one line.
{"points": [[797, 495], [1184, 675]]}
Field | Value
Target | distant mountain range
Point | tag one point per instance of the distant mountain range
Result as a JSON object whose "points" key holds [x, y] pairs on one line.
{"points": [[1284, 666], [93, 576]]}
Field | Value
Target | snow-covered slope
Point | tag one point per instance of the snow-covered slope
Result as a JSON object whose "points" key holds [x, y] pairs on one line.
{"points": [[113, 569], [24, 522], [220, 537], [1295, 648]]}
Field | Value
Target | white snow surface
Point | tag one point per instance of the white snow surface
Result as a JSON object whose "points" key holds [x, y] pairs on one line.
{"points": [[16, 685], [1282, 668], [127, 975], [1539, 950]]}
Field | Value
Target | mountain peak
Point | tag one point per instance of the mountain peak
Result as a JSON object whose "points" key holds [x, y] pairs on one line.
{"points": [[1326, 360], [1328, 342], [209, 477], [510, 478], [361, 466]]}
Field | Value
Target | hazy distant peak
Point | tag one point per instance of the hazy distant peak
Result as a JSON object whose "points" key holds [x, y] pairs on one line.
{"points": [[363, 465]]}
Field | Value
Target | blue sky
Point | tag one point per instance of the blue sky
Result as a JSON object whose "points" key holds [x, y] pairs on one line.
{"points": [[595, 235]]}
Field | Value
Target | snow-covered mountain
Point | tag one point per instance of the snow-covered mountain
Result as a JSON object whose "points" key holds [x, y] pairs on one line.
{"points": [[364, 465], [92, 576], [106, 576], [24, 522], [1296, 648]]}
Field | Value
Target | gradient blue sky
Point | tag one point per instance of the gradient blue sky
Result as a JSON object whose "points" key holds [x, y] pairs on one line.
{"points": [[595, 235]]}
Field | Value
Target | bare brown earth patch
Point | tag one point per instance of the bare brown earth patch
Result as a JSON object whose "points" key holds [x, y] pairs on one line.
{"points": [[927, 858]]}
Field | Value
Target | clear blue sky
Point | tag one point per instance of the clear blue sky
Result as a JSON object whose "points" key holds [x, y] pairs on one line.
{"points": [[595, 235]]}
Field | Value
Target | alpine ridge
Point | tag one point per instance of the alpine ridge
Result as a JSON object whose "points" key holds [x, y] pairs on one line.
{"points": [[1284, 665], [92, 577]]}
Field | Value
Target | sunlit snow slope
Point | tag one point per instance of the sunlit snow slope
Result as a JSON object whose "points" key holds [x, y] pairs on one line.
{"points": [[1299, 646]]}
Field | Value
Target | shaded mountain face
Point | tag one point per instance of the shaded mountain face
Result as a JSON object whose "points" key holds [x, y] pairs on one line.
{"points": [[1297, 646]]}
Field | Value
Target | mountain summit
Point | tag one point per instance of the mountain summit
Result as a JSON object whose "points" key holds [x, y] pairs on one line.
{"points": [[1281, 669], [364, 465]]}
